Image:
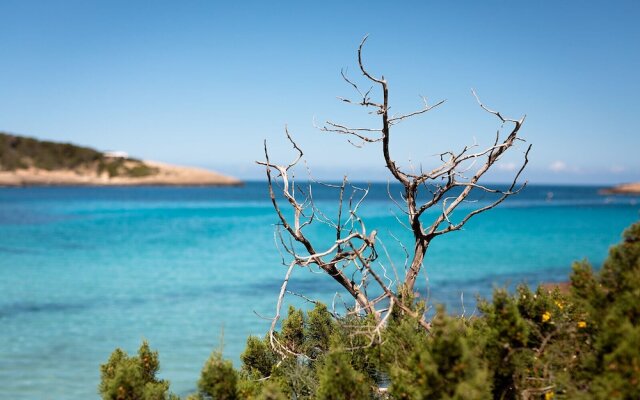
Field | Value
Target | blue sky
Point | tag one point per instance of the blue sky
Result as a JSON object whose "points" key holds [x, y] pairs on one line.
{"points": [[203, 83]]}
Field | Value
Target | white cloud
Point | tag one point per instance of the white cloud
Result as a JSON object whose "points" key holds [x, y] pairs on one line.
{"points": [[508, 166], [558, 166], [616, 169]]}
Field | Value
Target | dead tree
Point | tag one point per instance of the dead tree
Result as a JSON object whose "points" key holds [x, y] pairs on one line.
{"points": [[354, 250]]}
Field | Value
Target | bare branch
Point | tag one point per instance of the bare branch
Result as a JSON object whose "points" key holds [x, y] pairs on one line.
{"points": [[364, 71], [344, 130], [426, 108], [496, 113], [505, 194], [275, 344], [351, 256]]}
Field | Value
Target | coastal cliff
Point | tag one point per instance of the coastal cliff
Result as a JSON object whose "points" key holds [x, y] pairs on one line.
{"points": [[30, 162]]}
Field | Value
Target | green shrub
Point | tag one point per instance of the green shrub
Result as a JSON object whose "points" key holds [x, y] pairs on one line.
{"points": [[140, 170], [218, 379], [132, 378], [296, 378], [438, 365], [337, 379], [258, 359], [610, 302], [292, 334], [271, 391], [318, 330]]}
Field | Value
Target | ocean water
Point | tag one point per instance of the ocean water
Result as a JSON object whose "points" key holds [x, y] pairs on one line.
{"points": [[86, 270]]}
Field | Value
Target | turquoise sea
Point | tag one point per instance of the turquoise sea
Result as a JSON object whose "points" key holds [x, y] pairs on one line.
{"points": [[85, 270]]}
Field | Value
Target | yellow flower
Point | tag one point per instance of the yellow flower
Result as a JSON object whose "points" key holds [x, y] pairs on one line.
{"points": [[549, 396], [560, 305], [582, 324], [546, 316]]}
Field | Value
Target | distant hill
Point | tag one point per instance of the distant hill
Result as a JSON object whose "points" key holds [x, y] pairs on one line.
{"points": [[18, 152], [29, 161]]}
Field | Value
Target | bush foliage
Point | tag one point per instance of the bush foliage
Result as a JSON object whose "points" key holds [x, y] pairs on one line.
{"points": [[133, 377], [540, 344]]}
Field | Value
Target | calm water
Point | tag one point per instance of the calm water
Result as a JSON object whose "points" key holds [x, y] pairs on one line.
{"points": [[84, 270]]}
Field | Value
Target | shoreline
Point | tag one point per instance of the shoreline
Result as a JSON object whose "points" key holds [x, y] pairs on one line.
{"points": [[626, 188], [167, 175]]}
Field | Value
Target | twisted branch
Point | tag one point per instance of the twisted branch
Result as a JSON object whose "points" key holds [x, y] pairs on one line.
{"points": [[353, 254]]}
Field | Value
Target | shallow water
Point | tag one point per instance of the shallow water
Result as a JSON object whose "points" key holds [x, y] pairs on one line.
{"points": [[85, 270]]}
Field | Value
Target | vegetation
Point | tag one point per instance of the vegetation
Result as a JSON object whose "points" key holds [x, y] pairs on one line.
{"points": [[125, 377], [218, 380], [17, 152], [526, 345]]}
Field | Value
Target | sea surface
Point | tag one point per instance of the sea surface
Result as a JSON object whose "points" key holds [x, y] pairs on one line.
{"points": [[86, 270]]}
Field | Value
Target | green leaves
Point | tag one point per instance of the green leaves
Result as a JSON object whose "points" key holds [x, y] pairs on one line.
{"points": [[218, 379], [611, 305], [442, 364], [258, 359], [337, 379], [132, 378]]}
